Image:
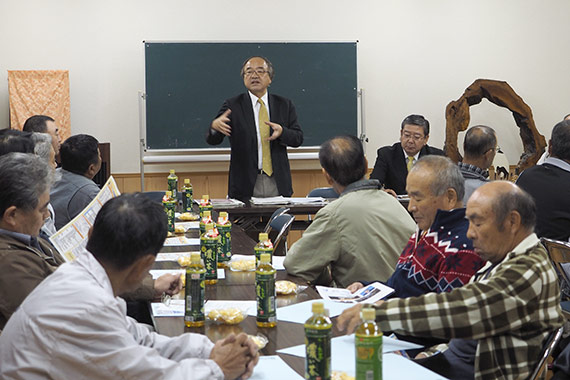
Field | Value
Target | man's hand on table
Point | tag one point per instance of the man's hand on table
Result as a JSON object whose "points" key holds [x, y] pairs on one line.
{"points": [[350, 319], [168, 283], [236, 355]]}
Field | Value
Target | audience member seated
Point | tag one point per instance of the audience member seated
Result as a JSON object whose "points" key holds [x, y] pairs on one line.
{"points": [[43, 148], [545, 155], [80, 161], [498, 322], [12, 140], [359, 235], [73, 324], [26, 258], [394, 162], [549, 185], [439, 256], [44, 124], [479, 147]]}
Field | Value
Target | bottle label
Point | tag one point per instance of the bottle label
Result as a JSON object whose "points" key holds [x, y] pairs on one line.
{"points": [[194, 308], [318, 354], [368, 357], [187, 200], [209, 251], [173, 186], [265, 294], [169, 209], [225, 252]]}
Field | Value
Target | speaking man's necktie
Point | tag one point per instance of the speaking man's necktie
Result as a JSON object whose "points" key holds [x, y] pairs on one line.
{"points": [[410, 162], [264, 134]]}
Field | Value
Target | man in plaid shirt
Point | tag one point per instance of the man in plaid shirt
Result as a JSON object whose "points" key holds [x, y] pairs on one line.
{"points": [[498, 322]]}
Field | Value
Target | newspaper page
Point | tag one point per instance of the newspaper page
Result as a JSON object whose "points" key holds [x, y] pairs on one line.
{"points": [[71, 239], [368, 294]]}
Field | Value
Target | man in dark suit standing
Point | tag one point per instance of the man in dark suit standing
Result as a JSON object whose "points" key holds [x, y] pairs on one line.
{"points": [[260, 126], [394, 162]]}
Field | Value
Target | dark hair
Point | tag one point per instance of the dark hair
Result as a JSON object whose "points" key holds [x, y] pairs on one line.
{"points": [[515, 200], [343, 159], [37, 123], [270, 69], [12, 140], [445, 174], [24, 177], [78, 152], [418, 120], [127, 228], [560, 140], [478, 140]]}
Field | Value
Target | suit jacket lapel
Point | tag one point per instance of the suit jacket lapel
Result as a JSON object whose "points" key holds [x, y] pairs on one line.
{"points": [[249, 118]]}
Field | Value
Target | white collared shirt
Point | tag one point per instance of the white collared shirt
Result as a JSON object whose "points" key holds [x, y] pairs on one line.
{"points": [[256, 107], [416, 157]]}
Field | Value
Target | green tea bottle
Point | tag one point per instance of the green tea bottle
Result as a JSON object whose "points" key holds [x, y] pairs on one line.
{"points": [[209, 242], [195, 284], [264, 246], [265, 293], [224, 227], [173, 184], [169, 205], [318, 344], [204, 220], [368, 341], [187, 196], [205, 204]]}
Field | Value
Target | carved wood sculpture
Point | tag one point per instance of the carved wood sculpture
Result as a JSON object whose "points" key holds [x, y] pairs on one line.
{"points": [[500, 93]]}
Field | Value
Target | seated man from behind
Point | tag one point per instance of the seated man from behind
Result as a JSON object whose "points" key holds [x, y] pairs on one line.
{"points": [[394, 162], [73, 323], [80, 161], [549, 185], [359, 235], [27, 259], [479, 147], [498, 322], [439, 256]]}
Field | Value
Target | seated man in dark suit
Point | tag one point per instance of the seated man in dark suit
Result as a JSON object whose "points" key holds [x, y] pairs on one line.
{"points": [[394, 162], [260, 126]]}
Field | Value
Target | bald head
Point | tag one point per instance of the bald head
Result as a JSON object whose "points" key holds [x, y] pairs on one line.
{"points": [[343, 159]]}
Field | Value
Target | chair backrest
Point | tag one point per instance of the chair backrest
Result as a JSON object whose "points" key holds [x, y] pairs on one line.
{"points": [[282, 223], [559, 252], [324, 192], [155, 196], [276, 213], [551, 342]]}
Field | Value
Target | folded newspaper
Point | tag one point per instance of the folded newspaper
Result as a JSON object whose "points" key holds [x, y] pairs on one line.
{"points": [[368, 294]]}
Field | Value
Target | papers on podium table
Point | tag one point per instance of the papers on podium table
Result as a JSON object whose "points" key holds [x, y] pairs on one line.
{"points": [[223, 202], [71, 239], [368, 294], [274, 368], [300, 312], [281, 200], [394, 366]]}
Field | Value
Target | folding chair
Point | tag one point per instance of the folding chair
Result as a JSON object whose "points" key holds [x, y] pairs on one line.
{"points": [[276, 213], [549, 346], [282, 224], [324, 192], [559, 253], [155, 196]]}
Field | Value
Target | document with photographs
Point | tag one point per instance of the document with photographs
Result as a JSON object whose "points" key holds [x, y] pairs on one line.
{"points": [[368, 294], [71, 239]]}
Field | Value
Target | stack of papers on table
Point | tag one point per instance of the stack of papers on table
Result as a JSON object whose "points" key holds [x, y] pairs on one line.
{"points": [[368, 294], [223, 202], [281, 200]]}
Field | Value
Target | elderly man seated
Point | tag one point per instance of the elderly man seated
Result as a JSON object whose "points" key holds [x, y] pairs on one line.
{"points": [[73, 325], [359, 235], [498, 322], [438, 257]]}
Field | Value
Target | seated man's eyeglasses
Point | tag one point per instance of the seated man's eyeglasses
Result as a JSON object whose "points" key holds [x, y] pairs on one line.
{"points": [[260, 72], [414, 136]]}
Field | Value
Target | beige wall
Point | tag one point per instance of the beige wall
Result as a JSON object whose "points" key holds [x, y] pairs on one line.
{"points": [[414, 56]]}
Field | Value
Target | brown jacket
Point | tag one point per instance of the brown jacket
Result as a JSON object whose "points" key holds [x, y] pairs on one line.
{"points": [[22, 268]]}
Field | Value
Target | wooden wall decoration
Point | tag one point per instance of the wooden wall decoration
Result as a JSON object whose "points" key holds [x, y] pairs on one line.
{"points": [[500, 93]]}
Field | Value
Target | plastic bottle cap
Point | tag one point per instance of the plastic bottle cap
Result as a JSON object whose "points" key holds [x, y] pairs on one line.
{"points": [[368, 314], [171, 171], [318, 307], [205, 196], [263, 236], [168, 193], [223, 214], [195, 258], [209, 226], [206, 213], [186, 180], [265, 257]]}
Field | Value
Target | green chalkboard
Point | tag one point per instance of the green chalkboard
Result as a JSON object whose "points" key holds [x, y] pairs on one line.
{"points": [[186, 84]]}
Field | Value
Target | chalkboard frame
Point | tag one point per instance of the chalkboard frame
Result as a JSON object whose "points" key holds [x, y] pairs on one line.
{"points": [[285, 66]]}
